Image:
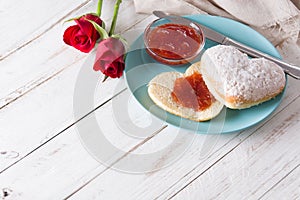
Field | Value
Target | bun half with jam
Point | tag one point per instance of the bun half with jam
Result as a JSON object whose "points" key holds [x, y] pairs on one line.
{"points": [[185, 95]]}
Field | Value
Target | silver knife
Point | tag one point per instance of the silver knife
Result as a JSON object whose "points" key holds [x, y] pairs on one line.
{"points": [[292, 70]]}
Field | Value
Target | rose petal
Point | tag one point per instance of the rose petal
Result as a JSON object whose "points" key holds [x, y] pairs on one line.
{"points": [[87, 27], [110, 58], [70, 33], [93, 18], [104, 61]]}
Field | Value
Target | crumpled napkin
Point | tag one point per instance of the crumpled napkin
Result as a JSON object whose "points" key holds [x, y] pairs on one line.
{"points": [[278, 21]]}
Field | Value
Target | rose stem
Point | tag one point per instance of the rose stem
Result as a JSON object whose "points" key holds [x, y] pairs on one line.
{"points": [[115, 16], [99, 8]]}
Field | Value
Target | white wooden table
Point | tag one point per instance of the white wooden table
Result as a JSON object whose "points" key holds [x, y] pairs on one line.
{"points": [[43, 157]]}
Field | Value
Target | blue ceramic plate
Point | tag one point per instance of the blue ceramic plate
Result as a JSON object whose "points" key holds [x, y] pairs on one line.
{"points": [[141, 68]]}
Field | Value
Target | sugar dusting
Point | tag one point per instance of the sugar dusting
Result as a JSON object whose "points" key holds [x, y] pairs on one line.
{"points": [[249, 79]]}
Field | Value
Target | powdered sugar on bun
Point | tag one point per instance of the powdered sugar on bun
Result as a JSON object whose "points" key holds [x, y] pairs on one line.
{"points": [[270, 78], [236, 80]]}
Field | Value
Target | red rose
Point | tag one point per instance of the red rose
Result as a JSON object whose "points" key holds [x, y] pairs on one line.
{"points": [[110, 57], [83, 35]]}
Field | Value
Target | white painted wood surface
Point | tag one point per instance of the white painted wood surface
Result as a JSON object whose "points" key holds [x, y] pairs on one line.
{"points": [[43, 157]]}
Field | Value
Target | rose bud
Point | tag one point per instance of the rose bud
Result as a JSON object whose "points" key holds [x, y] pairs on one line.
{"points": [[83, 36], [110, 57]]}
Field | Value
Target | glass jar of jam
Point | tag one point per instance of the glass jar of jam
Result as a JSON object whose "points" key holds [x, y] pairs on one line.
{"points": [[173, 43]]}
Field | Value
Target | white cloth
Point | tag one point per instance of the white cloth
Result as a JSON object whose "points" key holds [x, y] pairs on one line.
{"points": [[278, 21]]}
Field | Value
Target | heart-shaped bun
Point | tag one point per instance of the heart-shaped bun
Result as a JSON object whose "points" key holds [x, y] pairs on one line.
{"points": [[237, 81], [160, 90]]}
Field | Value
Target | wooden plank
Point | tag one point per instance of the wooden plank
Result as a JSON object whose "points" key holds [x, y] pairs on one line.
{"points": [[255, 165], [49, 90], [287, 188], [36, 63], [49, 114], [149, 185], [49, 103], [291, 94], [63, 164], [23, 73], [24, 21], [82, 170], [165, 182], [50, 107], [73, 174], [51, 171], [67, 147]]}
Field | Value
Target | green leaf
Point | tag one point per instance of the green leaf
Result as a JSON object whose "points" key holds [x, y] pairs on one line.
{"points": [[103, 24], [101, 30], [93, 14], [72, 19], [122, 39]]}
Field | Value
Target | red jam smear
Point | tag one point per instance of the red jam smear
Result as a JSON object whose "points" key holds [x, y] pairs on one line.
{"points": [[192, 92], [174, 41]]}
